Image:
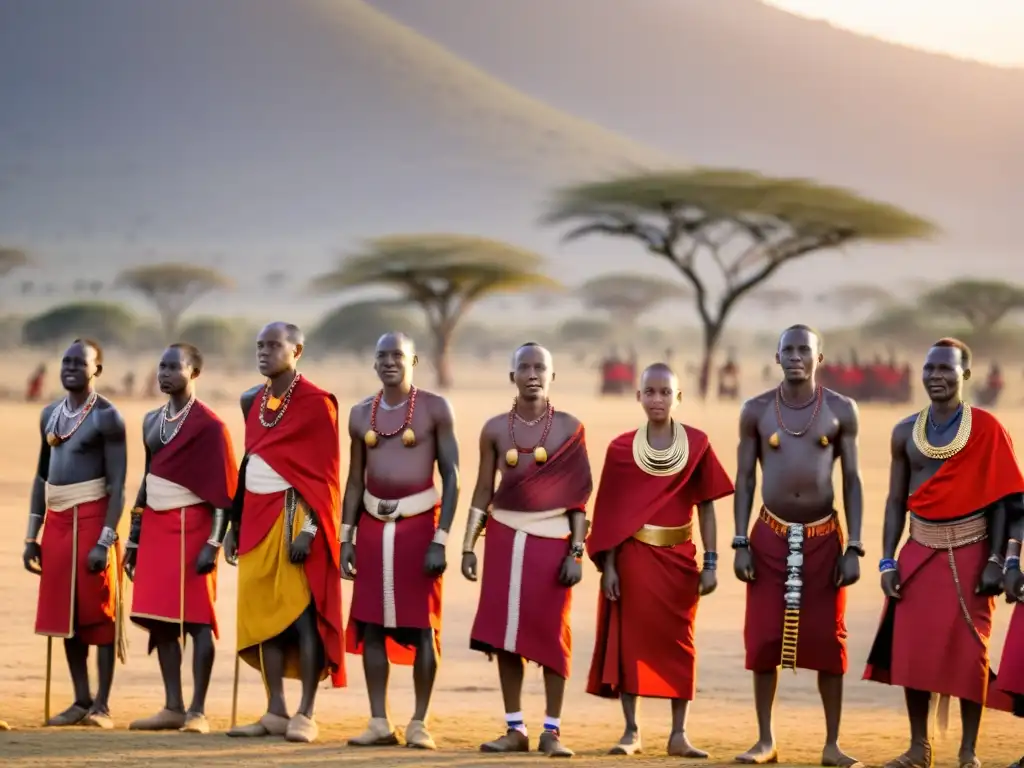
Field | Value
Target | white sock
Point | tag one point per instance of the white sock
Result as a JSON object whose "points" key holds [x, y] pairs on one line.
{"points": [[514, 721], [552, 723]]}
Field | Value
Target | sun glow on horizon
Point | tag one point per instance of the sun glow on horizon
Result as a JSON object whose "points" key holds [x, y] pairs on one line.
{"points": [[990, 31]]}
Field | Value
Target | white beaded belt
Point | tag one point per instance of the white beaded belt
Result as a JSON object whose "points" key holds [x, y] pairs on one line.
{"points": [[389, 510]]}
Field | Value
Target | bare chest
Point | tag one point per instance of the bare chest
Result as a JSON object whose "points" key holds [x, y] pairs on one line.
{"points": [[80, 457], [801, 444], [405, 449]]}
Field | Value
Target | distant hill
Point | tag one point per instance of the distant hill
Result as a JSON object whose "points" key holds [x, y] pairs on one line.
{"points": [[740, 83], [260, 134]]}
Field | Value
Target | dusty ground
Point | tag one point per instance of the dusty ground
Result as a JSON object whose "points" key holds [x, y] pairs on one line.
{"points": [[467, 708]]}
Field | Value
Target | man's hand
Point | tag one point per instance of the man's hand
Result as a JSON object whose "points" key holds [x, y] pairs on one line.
{"points": [[32, 557], [469, 565], [848, 569], [207, 559], [231, 547], [572, 572], [97, 558], [1013, 584], [610, 583], [131, 556], [743, 565], [299, 549], [434, 564], [991, 581], [348, 561], [708, 582], [891, 584]]}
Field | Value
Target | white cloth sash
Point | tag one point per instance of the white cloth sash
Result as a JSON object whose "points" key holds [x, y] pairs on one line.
{"points": [[549, 524], [162, 495], [408, 506], [261, 478], [63, 497]]}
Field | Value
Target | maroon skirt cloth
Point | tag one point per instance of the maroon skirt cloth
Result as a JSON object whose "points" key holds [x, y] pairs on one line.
{"points": [[523, 608]]}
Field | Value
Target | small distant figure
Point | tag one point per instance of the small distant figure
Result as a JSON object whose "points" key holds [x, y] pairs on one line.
{"points": [[618, 376], [988, 394], [129, 384], [35, 384], [729, 379], [151, 385]]}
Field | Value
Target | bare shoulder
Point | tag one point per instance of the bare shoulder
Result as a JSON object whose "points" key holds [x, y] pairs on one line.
{"points": [[47, 411], [249, 397], [567, 420], [151, 416], [493, 426], [903, 430], [753, 407], [438, 406], [845, 408], [361, 408], [110, 419]]}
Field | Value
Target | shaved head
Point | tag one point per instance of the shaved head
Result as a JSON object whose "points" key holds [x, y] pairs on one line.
{"points": [[533, 348], [394, 359], [659, 370], [659, 392], [397, 340], [532, 371]]}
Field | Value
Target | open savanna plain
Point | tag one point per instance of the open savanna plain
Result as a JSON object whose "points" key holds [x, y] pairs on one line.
{"points": [[467, 705]]}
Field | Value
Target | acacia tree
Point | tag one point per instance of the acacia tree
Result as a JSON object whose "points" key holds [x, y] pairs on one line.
{"points": [[727, 231], [774, 298], [627, 296], [445, 274], [981, 303], [355, 327], [853, 297], [11, 259], [172, 288]]}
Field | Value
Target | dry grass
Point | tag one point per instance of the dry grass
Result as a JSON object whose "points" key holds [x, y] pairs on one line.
{"points": [[467, 708]]}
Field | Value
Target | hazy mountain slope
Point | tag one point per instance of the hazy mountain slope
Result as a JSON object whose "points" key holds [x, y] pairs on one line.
{"points": [[737, 82], [262, 134]]}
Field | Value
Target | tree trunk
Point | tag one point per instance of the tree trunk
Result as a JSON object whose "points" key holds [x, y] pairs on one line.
{"points": [[712, 333], [442, 359], [169, 320]]}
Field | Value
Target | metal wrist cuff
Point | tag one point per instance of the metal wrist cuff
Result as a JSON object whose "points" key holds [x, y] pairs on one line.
{"points": [[107, 537], [346, 533], [440, 537], [474, 527], [740, 542], [887, 564], [219, 528], [309, 525], [214, 543]]}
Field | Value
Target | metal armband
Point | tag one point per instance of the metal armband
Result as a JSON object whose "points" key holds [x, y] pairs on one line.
{"points": [[35, 524], [219, 529], [107, 537], [474, 527], [309, 524]]}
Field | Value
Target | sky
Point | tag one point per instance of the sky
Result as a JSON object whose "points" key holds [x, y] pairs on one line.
{"points": [[991, 31]]}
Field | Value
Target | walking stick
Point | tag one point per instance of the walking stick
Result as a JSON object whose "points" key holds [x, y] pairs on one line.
{"points": [[49, 675], [234, 696]]}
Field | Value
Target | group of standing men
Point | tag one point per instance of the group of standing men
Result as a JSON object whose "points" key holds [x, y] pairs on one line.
{"points": [[294, 532]]}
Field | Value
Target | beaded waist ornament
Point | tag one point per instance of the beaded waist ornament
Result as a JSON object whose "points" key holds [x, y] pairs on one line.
{"points": [[794, 588]]}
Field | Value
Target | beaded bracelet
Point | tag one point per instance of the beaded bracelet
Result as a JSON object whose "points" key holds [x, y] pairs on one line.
{"points": [[1012, 564], [886, 564], [710, 561]]}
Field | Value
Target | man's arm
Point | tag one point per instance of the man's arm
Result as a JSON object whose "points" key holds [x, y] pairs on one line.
{"points": [[849, 462], [578, 524], [483, 492], [708, 530], [1015, 528], [115, 463], [747, 456], [135, 532], [447, 451], [899, 491], [37, 506], [352, 503], [997, 519]]}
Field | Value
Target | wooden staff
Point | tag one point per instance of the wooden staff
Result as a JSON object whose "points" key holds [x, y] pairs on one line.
{"points": [[49, 675], [234, 696]]}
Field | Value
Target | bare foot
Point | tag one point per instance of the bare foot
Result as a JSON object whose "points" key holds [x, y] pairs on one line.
{"points": [[629, 744], [834, 757], [759, 754], [680, 746], [967, 759], [918, 756]]}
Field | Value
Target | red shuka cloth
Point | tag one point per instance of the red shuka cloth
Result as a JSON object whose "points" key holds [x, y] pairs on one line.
{"points": [[1007, 693], [417, 595], [542, 615], [924, 641], [72, 601], [200, 458], [645, 640], [304, 449], [821, 642], [157, 586]]}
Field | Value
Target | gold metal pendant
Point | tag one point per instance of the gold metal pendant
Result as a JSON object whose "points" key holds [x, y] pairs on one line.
{"points": [[824, 441], [408, 438], [540, 455], [370, 438], [511, 457], [53, 440], [773, 441]]}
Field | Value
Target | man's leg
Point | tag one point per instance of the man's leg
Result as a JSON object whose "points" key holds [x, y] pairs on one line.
{"points": [[168, 653], [830, 687], [376, 669], [970, 721], [764, 751], [630, 742], [272, 659], [678, 744], [203, 654], [920, 752], [510, 674], [554, 695], [311, 659], [424, 671], [77, 654]]}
